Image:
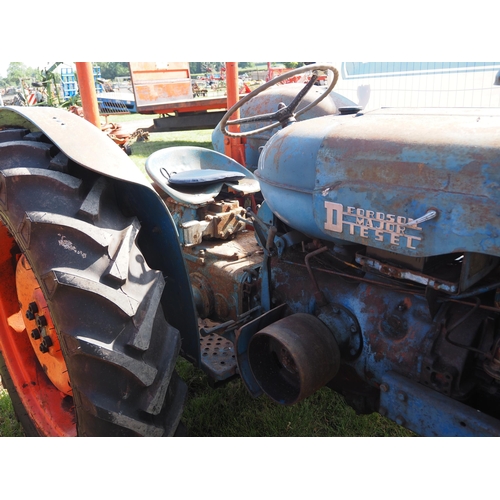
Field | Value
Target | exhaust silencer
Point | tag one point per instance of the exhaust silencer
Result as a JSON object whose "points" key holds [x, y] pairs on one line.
{"points": [[293, 358]]}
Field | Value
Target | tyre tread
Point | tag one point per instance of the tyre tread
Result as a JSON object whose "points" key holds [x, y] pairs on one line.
{"points": [[119, 349]]}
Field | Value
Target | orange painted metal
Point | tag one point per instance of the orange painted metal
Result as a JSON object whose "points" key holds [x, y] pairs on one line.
{"points": [[232, 92], [52, 361], [159, 83], [88, 93], [50, 410], [234, 147], [165, 87], [196, 105]]}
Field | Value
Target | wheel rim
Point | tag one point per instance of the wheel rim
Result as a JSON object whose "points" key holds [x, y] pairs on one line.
{"points": [[48, 403]]}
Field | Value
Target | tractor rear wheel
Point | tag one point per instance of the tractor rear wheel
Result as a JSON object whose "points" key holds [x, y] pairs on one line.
{"points": [[84, 346]]}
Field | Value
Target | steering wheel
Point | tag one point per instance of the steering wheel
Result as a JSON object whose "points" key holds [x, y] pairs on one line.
{"points": [[285, 114]]}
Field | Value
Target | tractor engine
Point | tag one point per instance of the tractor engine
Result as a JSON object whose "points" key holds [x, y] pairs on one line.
{"points": [[368, 262], [385, 229]]}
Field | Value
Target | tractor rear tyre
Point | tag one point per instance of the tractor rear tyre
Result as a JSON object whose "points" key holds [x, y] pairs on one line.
{"points": [[85, 349]]}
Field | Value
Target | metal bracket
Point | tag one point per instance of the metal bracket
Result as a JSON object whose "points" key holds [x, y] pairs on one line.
{"points": [[243, 338]]}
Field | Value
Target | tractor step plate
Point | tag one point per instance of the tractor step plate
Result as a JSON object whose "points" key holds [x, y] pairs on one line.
{"points": [[218, 358]]}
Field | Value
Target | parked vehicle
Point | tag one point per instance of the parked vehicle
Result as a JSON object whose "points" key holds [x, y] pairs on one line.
{"points": [[362, 254]]}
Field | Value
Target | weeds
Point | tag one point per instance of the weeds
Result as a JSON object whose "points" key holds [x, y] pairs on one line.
{"points": [[9, 426]]}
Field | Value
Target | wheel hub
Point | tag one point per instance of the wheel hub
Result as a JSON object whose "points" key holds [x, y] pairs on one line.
{"points": [[32, 375], [40, 328]]}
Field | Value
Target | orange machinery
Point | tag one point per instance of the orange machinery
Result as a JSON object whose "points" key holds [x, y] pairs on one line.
{"points": [[165, 88]]}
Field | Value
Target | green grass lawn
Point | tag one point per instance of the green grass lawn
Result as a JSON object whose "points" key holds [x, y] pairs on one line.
{"points": [[160, 140], [229, 410]]}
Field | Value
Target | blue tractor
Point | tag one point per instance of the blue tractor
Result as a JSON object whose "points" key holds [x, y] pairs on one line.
{"points": [[360, 253]]}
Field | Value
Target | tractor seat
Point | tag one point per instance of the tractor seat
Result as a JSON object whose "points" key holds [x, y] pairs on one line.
{"points": [[191, 178], [195, 176]]}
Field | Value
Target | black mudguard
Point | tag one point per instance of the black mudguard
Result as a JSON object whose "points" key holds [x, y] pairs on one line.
{"points": [[89, 147]]}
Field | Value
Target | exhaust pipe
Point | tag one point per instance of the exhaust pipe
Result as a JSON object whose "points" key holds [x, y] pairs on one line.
{"points": [[293, 358]]}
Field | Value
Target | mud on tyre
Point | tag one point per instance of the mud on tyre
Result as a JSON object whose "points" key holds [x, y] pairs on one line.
{"points": [[85, 347]]}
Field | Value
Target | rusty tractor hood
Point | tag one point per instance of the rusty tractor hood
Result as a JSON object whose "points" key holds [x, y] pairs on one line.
{"points": [[417, 182]]}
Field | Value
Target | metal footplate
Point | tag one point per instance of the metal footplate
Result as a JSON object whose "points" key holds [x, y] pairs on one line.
{"points": [[217, 357], [429, 413]]}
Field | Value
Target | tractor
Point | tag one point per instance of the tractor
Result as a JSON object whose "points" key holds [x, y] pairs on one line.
{"points": [[361, 253]]}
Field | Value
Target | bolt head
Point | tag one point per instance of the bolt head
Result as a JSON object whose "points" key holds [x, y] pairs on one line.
{"points": [[45, 344], [41, 321], [400, 420]]}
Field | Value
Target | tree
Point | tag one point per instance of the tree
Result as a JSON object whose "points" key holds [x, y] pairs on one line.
{"points": [[15, 72], [18, 71], [195, 67], [110, 70], [246, 65]]}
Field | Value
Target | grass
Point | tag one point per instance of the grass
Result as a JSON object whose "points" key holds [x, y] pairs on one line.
{"points": [[228, 410], [159, 140], [9, 426]]}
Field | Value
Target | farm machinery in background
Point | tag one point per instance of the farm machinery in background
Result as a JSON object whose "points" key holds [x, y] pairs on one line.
{"points": [[361, 253], [43, 92], [63, 91]]}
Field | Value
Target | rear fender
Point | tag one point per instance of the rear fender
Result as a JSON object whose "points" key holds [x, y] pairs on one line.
{"points": [[81, 141], [87, 146]]}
